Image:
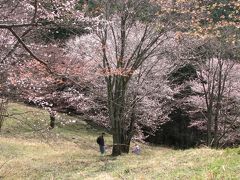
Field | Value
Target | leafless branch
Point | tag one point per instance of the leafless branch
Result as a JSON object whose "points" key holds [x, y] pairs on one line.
{"points": [[26, 48], [9, 26]]}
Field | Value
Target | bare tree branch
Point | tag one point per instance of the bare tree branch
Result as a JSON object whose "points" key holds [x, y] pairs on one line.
{"points": [[26, 48], [8, 26]]}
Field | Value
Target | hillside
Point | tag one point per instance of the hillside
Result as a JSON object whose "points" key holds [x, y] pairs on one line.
{"points": [[30, 151]]}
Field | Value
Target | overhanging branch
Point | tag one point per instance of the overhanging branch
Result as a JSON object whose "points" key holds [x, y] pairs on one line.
{"points": [[8, 26], [26, 48], [15, 46]]}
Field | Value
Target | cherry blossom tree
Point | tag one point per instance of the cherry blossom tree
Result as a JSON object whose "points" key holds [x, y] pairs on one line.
{"points": [[218, 77], [124, 40], [125, 44], [216, 26], [216, 61]]}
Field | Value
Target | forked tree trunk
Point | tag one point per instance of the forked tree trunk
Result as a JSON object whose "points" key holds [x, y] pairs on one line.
{"points": [[121, 66], [116, 118], [221, 85], [120, 142]]}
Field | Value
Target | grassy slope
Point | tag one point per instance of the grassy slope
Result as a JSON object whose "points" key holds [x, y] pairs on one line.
{"points": [[70, 152]]}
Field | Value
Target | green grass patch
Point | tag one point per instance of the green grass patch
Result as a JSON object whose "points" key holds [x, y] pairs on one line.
{"points": [[70, 152]]}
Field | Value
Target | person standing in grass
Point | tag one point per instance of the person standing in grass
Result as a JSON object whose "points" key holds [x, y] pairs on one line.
{"points": [[100, 141]]}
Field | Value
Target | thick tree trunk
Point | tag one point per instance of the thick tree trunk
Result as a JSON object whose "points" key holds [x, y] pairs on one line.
{"points": [[121, 146], [116, 150], [128, 134], [126, 146], [117, 110], [117, 132]]}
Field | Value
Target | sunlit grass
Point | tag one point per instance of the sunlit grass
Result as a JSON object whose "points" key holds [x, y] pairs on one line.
{"points": [[70, 152]]}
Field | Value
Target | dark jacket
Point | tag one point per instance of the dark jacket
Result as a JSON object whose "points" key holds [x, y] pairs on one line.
{"points": [[100, 141]]}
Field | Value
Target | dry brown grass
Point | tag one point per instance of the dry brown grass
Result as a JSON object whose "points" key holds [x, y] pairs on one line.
{"points": [[67, 153]]}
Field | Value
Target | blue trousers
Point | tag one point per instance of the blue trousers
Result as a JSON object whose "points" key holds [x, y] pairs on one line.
{"points": [[102, 149]]}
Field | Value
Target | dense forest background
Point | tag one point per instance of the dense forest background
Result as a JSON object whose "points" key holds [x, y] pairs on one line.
{"points": [[166, 72]]}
